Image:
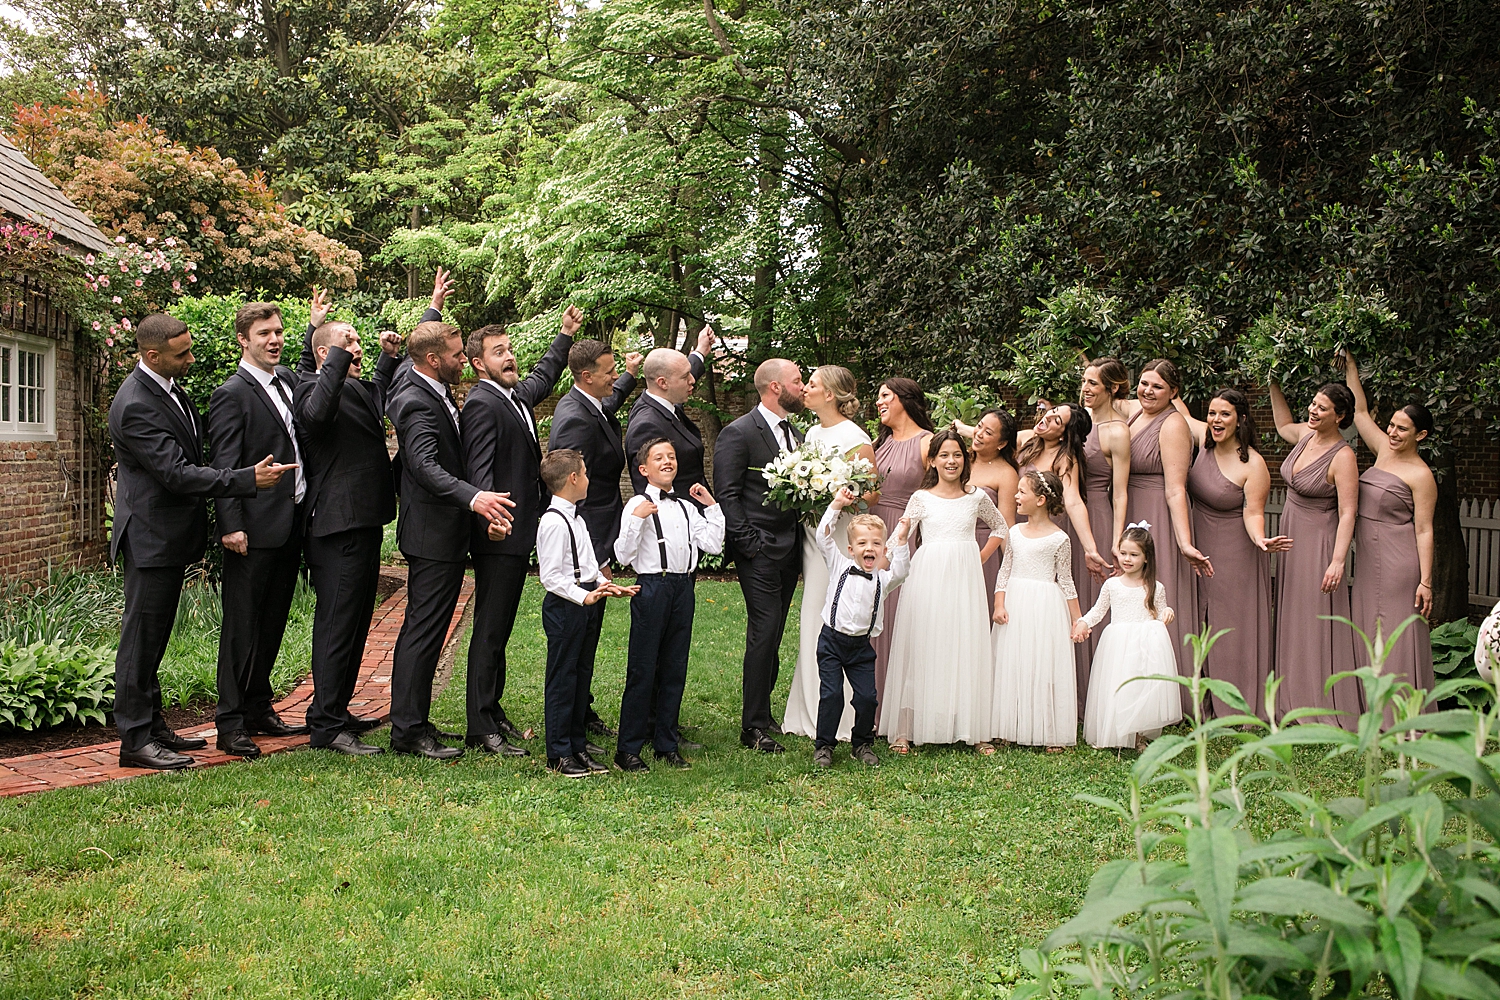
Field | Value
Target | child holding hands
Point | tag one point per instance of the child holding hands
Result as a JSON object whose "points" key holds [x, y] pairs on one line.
{"points": [[572, 613], [1124, 708], [1036, 605], [853, 614]]}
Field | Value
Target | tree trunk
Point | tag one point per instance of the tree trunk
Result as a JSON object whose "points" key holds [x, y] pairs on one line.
{"points": [[772, 149], [412, 291], [1450, 557]]}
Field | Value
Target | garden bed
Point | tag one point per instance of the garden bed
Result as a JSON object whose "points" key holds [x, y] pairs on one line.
{"points": [[18, 742]]}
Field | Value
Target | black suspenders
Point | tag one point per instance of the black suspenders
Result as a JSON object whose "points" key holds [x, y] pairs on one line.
{"points": [[661, 540], [833, 612], [572, 541]]}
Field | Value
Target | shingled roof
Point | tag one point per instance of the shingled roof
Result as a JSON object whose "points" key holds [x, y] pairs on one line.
{"points": [[26, 193]]}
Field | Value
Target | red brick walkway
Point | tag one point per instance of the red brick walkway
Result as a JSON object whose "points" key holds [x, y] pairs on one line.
{"points": [[93, 765]]}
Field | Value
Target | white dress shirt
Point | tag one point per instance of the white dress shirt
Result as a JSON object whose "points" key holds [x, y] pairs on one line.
{"points": [[166, 385], [510, 397], [685, 531], [774, 422], [265, 378], [854, 599], [555, 560], [598, 403], [442, 391]]}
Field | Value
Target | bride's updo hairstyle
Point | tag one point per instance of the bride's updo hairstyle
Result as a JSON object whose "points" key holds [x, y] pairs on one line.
{"points": [[930, 477], [1342, 400], [839, 383], [1048, 486]]}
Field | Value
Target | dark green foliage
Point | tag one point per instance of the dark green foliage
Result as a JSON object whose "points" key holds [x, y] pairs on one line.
{"points": [[49, 683]]}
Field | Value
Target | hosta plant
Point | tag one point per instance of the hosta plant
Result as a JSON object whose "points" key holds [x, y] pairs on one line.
{"points": [[50, 683], [1391, 890]]}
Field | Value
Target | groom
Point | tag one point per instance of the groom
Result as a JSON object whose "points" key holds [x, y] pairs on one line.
{"points": [[762, 538]]}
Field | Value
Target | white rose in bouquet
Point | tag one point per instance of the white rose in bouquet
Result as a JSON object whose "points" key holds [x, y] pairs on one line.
{"points": [[807, 480]]}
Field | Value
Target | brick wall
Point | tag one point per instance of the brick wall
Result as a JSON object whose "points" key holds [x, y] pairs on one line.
{"points": [[52, 493]]}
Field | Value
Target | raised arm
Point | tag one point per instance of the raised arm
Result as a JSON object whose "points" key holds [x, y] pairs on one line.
{"points": [[1196, 427], [317, 401], [1369, 430], [1176, 456], [542, 379], [1290, 430]]}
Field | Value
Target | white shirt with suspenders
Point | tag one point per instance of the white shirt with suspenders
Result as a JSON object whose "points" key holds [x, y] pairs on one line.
{"points": [[669, 540], [565, 553]]}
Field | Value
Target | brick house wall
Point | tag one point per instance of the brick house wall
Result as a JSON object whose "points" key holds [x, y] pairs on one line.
{"points": [[53, 492]]}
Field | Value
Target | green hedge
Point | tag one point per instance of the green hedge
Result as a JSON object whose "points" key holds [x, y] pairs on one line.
{"points": [[50, 683]]}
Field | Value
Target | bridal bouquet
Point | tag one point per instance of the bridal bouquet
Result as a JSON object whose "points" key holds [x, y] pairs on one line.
{"points": [[806, 480]]}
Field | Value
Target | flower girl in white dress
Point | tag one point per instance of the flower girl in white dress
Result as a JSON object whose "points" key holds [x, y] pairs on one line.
{"points": [[937, 689], [1124, 711], [1036, 604], [830, 394]]}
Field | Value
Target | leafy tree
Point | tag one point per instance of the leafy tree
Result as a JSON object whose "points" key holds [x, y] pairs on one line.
{"points": [[140, 186]]}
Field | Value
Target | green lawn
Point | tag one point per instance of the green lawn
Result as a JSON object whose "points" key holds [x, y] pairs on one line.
{"points": [[311, 875]]}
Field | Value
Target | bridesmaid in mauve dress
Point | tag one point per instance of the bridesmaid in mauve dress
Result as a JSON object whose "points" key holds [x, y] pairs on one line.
{"points": [[1161, 452], [993, 470], [900, 461], [1106, 478], [1321, 499], [1393, 534], [1229, 484]]}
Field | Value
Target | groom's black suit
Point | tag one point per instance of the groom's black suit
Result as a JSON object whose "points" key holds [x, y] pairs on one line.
{"points": [[764, 542]]}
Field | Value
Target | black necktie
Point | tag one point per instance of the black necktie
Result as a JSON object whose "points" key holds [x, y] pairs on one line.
{"points": [[786, 432], [281, 391], [856, 571], [521, 412], [180, 398]]}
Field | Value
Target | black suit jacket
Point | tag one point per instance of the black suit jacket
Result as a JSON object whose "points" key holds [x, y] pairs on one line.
{"points": [[434, 518], [649, 419], [341, 423], [578, 424], [752, 526], [162, 479], [307, 362], [501, 455], [243, 428]]}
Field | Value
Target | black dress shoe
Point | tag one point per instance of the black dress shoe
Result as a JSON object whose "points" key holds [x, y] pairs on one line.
{"points": [[364, 724], [774, 728], [270, 724], [155, 756], [759, 739], [568, 767], [172, 741], [495, 743], [683, 744], [510, 731], [630, 762], [439, 734], [594, 766], [237, 743], [425, 746], [348, 743], [592, 748], [674, 759], [599, 727]]}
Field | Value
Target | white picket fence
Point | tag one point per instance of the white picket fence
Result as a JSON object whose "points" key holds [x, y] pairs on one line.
{"points": [[1480, 520]]}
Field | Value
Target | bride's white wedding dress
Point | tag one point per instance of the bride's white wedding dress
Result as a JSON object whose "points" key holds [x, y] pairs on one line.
{"points": [[801, 715], [938, 686]]}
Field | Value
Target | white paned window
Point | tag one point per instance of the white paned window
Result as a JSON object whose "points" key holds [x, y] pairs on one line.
{"points": [[27, 389]]}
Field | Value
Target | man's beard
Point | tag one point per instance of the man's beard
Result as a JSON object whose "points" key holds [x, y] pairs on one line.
{"points": [[791, 403]]}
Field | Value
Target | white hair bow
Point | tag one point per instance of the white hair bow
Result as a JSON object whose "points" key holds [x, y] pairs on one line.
{"points": [[1143, 525]]}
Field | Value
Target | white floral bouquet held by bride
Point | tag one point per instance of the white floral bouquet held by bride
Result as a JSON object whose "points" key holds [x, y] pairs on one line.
{"points": [[806, 480]]}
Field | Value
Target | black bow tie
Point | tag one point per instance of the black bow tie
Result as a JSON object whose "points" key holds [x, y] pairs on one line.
{"points": [[856, 571], [671, 496]]}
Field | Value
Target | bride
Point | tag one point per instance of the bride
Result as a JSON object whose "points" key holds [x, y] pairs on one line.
{"points": [[829, 393]]}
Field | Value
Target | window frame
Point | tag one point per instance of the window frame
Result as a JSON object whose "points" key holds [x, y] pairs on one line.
{"points": [[12, 429]]}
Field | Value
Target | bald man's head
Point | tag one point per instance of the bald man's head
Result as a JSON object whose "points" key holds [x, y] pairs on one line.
{"points": [[778, 382], [668, 374]]}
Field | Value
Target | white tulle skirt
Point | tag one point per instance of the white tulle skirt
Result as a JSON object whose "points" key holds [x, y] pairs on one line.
{"points": [[1035, 699], [937, 687], [802, 698], [1120, 708]]}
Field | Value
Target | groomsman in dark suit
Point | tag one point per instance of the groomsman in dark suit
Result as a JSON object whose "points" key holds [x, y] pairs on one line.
{"points": [[350, 497], [248, 416], [762, 537], [503, 453], [160, 527], [659, 412], [433, 529]]}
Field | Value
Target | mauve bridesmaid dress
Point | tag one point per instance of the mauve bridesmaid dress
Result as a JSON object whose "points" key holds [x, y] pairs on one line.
{"points": [[1238, 595], [1148, 502], [1309, 650], [899, 464], [1387, 571], [992, 564], [1097, 480]]}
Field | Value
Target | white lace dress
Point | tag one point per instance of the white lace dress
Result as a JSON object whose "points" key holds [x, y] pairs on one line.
{"points": [[937, 688], [802, 697], [1134, 645], [1036, 684]]}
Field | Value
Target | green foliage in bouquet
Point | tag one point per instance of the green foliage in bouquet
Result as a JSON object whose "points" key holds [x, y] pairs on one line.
{"points": [[50, 683], [1393, 891], [960, 402], [806, 480]]}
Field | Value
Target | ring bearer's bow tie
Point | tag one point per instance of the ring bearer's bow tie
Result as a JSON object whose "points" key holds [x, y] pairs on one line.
{"points": [[856, 571], [674, 495]]}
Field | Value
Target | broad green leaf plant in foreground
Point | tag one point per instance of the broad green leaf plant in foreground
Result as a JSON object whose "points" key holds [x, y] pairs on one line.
{"points": [[1391, 891]]}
